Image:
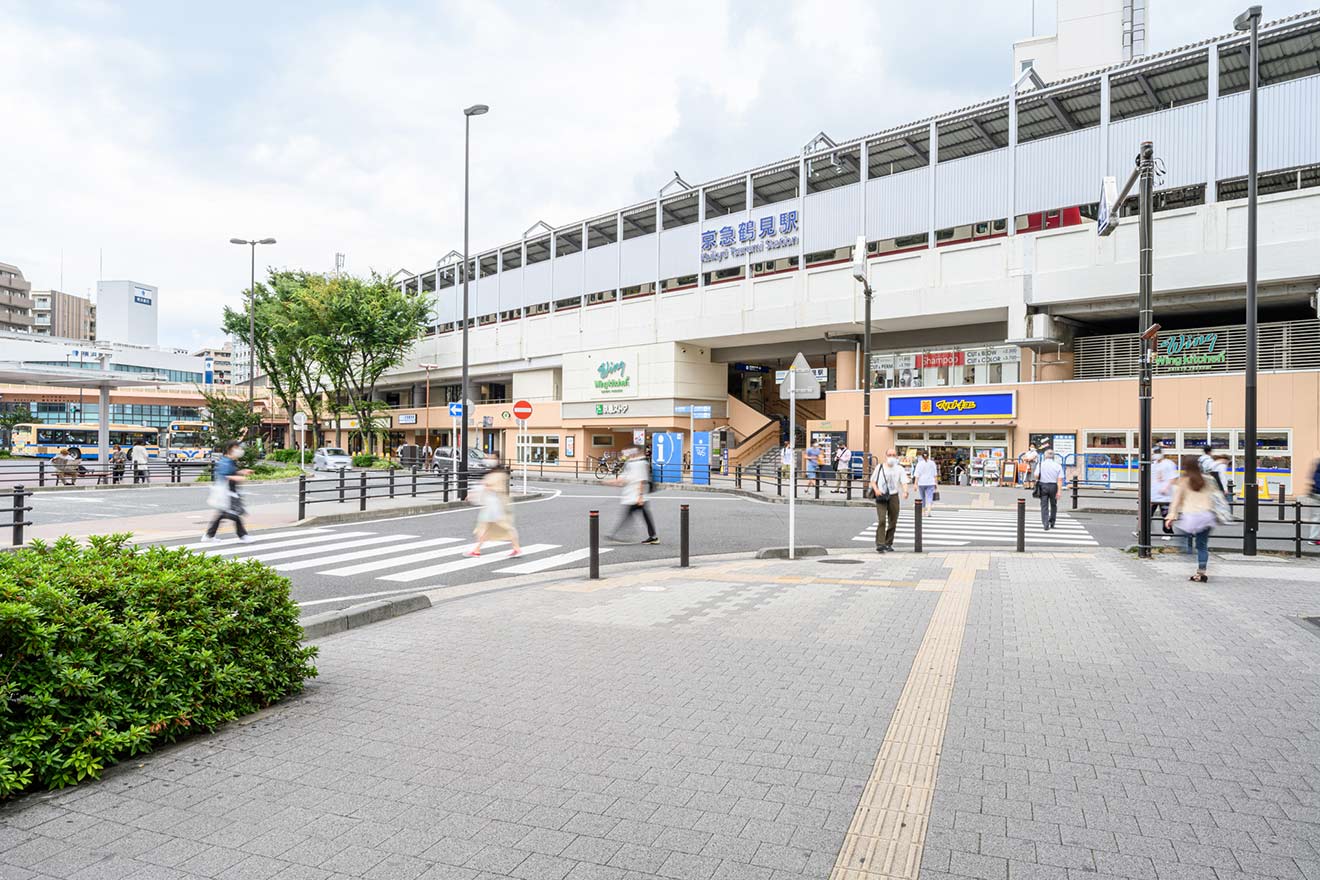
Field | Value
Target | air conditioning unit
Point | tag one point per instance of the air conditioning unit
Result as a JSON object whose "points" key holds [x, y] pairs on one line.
{"points": [[1043, 326]]}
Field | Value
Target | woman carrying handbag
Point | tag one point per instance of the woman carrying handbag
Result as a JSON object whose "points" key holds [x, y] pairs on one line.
{"points": [[1197, 507]]}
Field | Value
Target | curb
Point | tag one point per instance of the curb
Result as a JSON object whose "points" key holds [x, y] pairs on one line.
{"points": [[330, 622], [782, 552], [327, 519]]}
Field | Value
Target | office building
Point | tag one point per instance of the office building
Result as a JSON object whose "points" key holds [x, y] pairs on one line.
{"points": [[15, 300], [126, 311], [221, 362]]}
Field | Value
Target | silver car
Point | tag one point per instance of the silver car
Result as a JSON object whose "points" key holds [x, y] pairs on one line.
{"points": [[331, 458]]}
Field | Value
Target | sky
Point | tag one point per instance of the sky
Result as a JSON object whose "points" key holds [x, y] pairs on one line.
{"points": [[139, 137]]}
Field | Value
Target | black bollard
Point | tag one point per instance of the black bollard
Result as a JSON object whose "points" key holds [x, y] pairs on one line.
{"points": [[1297, 525], [593, 533], [683, 536], [916, 527], [362, 491], [1022, 525], [1074, 493], [341, 485]]}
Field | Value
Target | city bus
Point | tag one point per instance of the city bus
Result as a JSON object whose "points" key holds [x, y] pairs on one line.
{"points": [[44, 441], [189, 441]]}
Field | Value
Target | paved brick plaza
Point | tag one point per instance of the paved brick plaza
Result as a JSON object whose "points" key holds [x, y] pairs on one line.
{"points": [[969, 714]]}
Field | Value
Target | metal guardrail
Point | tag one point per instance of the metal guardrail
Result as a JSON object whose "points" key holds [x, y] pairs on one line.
{"points": [[43, 473], [394, 483]]}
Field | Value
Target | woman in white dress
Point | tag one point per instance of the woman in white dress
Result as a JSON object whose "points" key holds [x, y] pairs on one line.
{"points": [[495, 521]]}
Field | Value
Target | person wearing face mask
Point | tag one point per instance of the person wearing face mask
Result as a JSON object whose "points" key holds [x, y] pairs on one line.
{"points": [[1163, 472], [1049, 476], [887, 481], [495, 522], [225, 497]]}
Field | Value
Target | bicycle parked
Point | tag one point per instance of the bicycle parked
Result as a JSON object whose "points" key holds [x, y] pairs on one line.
{"points": [[609, 466]]}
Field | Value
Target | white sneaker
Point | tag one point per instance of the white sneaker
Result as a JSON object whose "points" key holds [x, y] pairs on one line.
{"points": [[246, 539], [206, 539]]}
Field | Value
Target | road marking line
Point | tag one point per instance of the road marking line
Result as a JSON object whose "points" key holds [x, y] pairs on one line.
{"points": [[266, 536], [294, 542], [550, 561], [402, 560], [308, 551], [461, 564], [361, 554], [350, 598], [888, 830]]}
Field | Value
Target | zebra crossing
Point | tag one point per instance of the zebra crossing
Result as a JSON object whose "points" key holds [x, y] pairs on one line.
{"points": [[389, 558], [963, 527]]}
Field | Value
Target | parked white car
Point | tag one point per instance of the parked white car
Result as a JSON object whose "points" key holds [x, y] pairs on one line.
{"points": [[331, 458]]}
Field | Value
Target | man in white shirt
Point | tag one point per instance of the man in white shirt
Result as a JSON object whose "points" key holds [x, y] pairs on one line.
{"points": [[786, 457], [1163, 471], [138, 455], [842, 466], [633, 478], [1049, 476], [887, 481]]}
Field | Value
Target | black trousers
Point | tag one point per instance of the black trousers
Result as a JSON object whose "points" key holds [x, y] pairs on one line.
{"points": [[1163, 508], [886, 514], [646, 517], [226, 515], [1049, 504]]}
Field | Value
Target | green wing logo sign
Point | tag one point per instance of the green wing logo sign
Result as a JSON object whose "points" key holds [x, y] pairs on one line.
{"points": [[612, 378]]}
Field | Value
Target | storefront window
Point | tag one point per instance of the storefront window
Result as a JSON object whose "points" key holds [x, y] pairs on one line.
{"points": [[1107, 440], [535, 448], [1192, 440], [1164, 437], [963, 435], [1265, 440]]}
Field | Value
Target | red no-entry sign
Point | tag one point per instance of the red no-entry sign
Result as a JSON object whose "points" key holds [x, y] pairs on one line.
{"points": [[522, 410]]}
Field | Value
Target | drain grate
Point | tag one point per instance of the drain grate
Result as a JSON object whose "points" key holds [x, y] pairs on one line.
{"points": [[830, 561]]}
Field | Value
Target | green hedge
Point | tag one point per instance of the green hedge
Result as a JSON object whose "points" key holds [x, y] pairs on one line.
{"points": [[109, 649], [364, 460], [287, 456]]}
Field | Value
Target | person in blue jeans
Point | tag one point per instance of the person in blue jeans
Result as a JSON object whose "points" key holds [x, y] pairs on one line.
{"points": [[1192, 512], [225, 497]]}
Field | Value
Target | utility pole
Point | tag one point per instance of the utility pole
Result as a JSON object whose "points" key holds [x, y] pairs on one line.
{"points": [[859, 273]]}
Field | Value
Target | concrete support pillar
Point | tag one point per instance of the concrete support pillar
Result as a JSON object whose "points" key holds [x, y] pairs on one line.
{"points": [[845, 370]]}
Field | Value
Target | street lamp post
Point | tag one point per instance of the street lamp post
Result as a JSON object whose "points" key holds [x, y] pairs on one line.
{"points": [[1250, 21], [428, 368], [252, 315], [468, 113], [859, 273]]}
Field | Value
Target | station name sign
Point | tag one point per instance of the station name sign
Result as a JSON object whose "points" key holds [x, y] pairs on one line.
{"points": [[768, 232]]}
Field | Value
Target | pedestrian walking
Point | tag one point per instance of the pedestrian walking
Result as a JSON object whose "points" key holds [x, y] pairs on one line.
{"points": [[427, 454], [634, 478], [66, 468], [225, 497], [1195, 510], [138, 456], [842, 466], [1049, 476], [495, 521], [118, 461], [1030, 458], [1163, 472], [926, 474], [887, 481], [1206, 462], [1315, 500], [786, 458], [812, 457], [1224, 472]]}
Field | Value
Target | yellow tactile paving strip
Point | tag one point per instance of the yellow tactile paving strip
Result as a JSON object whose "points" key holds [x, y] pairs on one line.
{"points": [[888, 830]]}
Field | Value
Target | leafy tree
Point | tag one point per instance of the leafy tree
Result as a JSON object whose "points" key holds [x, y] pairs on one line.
{"points": [[17, 416], [358, 329], [231, 420]]}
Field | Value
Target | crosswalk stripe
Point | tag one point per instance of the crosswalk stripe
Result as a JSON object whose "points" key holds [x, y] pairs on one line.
{"points": [[984, 539], [260, 536], [461, 564], [292, 542], [398, 561], [994, 526], [308, 551], [549, 561], [360, 554]]}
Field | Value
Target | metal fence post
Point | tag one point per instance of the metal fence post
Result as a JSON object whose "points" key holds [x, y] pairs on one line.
{"points": [[414, 483], [362, 491], [19, 510], [41, 472], [737, 476], [1074, 493], [1232, 496], [848, 497], [593, 541], [444, 487], [1022, 524], [341, 485], [1297, 526], [683, 536], [302, 497], [392, 483], [1282, 498]]}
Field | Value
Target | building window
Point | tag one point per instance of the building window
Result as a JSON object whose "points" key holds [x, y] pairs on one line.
{"points": [[537, 448], [602, 439]]}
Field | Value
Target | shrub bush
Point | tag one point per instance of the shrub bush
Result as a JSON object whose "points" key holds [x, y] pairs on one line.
{"points": [[364, 460], [110, 649], [287, 456]]}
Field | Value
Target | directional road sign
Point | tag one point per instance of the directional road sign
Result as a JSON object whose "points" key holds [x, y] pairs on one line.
{"points": [[456, 410]]}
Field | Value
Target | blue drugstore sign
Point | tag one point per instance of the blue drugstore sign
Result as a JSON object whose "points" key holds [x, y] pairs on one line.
{"points": [[701, 458], [958, 407]]}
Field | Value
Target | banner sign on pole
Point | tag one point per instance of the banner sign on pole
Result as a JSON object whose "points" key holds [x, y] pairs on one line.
{"points": [[667, 458], [701, 458]]}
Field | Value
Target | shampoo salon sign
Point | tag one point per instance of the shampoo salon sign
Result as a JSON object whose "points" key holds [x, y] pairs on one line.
{"points": [[613, 374]]}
